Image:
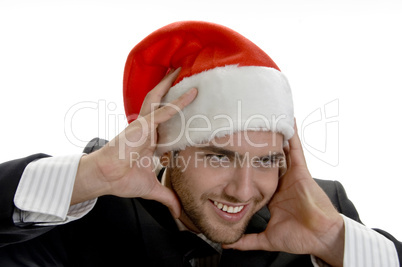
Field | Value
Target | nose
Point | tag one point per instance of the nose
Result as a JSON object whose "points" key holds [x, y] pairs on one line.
{"points": [[241, 185]]}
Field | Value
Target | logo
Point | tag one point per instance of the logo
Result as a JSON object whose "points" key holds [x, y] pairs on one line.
{"points": [[320, 133]]}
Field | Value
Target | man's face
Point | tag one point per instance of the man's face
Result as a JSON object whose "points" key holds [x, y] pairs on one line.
{"points": [[224, 182]]}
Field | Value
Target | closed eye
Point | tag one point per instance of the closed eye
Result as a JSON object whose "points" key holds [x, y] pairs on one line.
{"points": [[268, 161], [217, 157]]}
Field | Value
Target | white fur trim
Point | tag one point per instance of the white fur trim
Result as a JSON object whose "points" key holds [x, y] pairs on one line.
{"points": [[230, 99]]}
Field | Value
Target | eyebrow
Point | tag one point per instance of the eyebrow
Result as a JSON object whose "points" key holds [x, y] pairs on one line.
{"points": [[232, 154]]}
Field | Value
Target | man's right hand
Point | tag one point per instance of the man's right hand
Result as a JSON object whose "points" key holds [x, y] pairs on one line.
{"points": [[111, 171]]}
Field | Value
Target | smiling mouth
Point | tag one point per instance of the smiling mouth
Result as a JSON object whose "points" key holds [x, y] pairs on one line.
{"points": [[228, 209]]}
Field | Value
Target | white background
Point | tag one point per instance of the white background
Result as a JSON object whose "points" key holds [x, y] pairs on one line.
{"points": [[59, 56]]}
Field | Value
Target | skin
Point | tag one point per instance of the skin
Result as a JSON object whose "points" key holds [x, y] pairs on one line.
{"points": [[303, 220], [301, 205], [213, 174]]}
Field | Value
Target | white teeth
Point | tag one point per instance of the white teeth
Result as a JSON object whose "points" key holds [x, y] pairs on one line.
{"points": [[228, 209]]}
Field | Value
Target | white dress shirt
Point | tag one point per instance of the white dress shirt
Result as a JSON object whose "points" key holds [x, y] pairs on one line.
{"points": [[44, 193]]}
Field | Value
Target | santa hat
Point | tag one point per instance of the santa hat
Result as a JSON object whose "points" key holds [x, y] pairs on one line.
{"points": [[239, 86]]}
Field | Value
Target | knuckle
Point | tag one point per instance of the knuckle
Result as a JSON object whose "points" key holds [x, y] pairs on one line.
{"points": [[149, 95]]}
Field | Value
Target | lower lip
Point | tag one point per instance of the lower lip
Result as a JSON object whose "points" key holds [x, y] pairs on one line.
{"points": [[230, 217]]}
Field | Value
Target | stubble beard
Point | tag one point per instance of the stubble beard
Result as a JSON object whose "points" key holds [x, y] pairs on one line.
{"points": [[219, 232]]}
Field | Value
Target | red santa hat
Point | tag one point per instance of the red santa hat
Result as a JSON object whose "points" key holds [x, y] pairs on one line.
{"points": [[239, 86]]}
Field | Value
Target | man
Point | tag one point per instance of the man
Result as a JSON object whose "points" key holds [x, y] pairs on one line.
{"points": [[235, 181]]}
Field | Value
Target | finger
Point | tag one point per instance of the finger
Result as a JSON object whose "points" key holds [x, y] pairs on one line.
{"points": [[167, 197], [250, 242], [155, 96], [169, 110], [296, 153], [148, 124]]}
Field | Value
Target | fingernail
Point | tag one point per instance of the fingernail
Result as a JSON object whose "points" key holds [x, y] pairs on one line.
{"points": [[192, 91]]}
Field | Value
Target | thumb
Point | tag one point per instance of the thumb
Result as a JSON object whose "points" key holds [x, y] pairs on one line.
{"points": [[249, 242], [167, 197]]}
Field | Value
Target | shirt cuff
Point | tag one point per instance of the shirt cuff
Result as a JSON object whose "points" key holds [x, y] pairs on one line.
{"points": [[44, 193], [317, 262], [365, 247]]}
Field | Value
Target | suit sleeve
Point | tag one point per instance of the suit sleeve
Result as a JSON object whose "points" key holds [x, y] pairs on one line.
{"points": [[346, 207], [10, 175]]}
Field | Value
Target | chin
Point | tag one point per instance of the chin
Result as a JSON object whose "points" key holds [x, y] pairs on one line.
{"points": [[223, 234], [225, 238]]}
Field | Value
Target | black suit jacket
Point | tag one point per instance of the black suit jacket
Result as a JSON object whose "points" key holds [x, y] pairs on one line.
{"points": [[128, 232]]}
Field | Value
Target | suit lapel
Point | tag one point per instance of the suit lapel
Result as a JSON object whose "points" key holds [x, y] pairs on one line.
{"points": [[164, 243], [159, 234]]}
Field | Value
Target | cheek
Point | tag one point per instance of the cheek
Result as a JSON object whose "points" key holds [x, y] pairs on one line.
{"points": [[204, 183], [268, 187], [204, 179], [198, 182]]}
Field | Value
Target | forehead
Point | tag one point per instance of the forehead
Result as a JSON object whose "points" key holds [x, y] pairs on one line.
{"points": [[259, 142]]}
